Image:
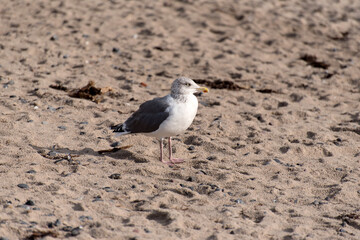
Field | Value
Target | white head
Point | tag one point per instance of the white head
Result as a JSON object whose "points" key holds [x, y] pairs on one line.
{"points": [[184, 85]]}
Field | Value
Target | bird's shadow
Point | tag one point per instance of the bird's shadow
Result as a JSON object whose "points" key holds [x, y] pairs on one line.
{"points": [[116, 153]]}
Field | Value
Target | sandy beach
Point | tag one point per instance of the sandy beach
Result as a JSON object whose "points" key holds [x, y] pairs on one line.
{"points": [[273, 152]]}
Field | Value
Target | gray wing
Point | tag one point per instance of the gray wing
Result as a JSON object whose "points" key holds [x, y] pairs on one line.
{"points": [[148, 117]]}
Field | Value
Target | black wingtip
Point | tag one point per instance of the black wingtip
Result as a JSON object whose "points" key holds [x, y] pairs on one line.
{"points": [[117, 128]]}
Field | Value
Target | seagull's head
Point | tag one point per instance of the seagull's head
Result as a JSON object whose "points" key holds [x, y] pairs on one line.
{"points": [[183, 85]]}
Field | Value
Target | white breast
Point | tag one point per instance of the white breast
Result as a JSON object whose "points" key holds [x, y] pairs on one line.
{"points": [[181, 115]]}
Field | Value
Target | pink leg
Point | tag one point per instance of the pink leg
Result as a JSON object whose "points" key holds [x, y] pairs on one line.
{"points": [[162, 153], [161, 149], [173, 160]]}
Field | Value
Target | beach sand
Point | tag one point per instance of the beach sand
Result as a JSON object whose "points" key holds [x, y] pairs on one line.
{"points": [[273, 152]]}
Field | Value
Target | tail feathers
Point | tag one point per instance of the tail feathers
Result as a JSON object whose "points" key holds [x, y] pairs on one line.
{"points": [[119, 129], [120, 133]]}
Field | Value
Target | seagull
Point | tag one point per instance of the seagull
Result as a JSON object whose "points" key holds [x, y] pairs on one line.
{"points": [[164, 117]]}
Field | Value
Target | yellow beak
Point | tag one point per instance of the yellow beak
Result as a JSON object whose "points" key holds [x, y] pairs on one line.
{"points": [[203, 89]]}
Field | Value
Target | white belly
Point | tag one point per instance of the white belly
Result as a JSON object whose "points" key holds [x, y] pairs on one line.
{"points": [[181, 115]]}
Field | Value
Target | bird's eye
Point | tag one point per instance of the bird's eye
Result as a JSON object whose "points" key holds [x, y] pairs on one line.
{"points": [[188, 84]]}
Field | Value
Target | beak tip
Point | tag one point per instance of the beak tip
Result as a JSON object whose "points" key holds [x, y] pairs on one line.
{"points": [[203, 89]]}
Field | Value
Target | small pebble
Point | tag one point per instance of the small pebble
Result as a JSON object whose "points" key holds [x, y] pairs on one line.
{"points": [[65, 56], [190, 179], [62, 127], [6, 85], [75, 231], [317, 203], [278, 161], [85, 218], [44, 122], [202, 172], [191, 148], [284, 149], [67, 228], [23, 206], [31, 171], [239, 201], [115, 50], [23, 186], [54, 37], [115, 144], [211, 158], [57, 222], [82, 133], [97, 199], [282, 104], [115, 176], [266, 162], [327, 153], [54, 224], [52, 109], [251, 103], [108, 189], [78, 207], [30, 202], [12, 96], [238, 146], [52, 153], [259, 117], [84, 123], [311, 135]]}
